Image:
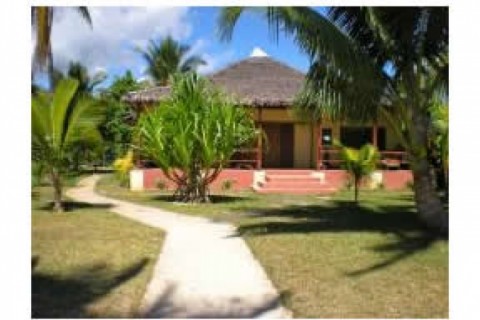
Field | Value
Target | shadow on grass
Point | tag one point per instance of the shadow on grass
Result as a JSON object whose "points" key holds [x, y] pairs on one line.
{"points": [[75, 205], [337, 216], [215, 198], [403, 247], [68, 296], [344, 216]]}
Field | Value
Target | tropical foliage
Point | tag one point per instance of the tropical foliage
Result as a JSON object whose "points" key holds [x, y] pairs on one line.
{"points": [[82, 151], [372, 62], [193, 134], [122, 167], [59, 122], [117, 126], [86, 81], [168, 57], [359, 163]]}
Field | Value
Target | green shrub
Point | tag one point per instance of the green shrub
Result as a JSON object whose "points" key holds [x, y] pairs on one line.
{"points": [[122, 167], [191, 135]]}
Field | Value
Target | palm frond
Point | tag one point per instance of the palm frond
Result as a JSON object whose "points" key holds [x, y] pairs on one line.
{"points": [[192, 63], [85, 14], [315, 34], [62, 98]]}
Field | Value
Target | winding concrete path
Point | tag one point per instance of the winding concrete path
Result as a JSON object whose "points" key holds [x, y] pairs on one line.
{"points": [[203, 271]]}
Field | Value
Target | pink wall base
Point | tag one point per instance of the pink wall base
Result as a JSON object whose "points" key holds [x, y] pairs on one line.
{"points": [[240, 179]]}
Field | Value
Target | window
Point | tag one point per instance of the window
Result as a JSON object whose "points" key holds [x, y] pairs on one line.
{"points": [[327, 138], [381, 138], [355, 137]]}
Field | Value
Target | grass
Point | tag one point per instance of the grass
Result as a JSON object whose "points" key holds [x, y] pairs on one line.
{"points": [[88, 262], [329, 258]]}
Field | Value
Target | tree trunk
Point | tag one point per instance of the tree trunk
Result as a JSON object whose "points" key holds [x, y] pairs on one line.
{"points": [[57, 192], [356, 186], [429, 206], [194, 189]]}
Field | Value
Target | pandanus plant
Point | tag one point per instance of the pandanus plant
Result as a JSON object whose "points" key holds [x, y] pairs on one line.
{"points": [[192, 135]]}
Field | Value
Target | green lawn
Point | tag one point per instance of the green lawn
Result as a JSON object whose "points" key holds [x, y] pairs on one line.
{"points": [[88, 262], [329, 258]]}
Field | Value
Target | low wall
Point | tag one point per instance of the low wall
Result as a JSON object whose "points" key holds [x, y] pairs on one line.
{"points": [[241, 179], [397, 179], [390, 179]]}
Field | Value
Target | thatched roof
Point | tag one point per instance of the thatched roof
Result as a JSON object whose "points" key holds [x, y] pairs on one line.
{"points": [[255, 81]]}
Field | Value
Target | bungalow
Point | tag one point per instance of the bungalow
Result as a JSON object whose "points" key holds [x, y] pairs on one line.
{"points": [[297, 154]]}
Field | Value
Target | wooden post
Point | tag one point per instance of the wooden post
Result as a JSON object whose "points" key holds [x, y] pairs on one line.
{"points": [[318, 148], [374, 134], [259, 141]]}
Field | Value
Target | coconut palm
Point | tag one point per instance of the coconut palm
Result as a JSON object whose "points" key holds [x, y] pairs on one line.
{"points": [[42, 22], [60, 121], [439, 113], [368, 63], [193, 134], [359, 163], [168, 57], [86, 82]]}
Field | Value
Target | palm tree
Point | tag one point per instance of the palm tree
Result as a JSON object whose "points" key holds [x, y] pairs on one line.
{"points": [[42, 22], [59, 121], [369, 63], [439, 113], [168, 57], [360, 163], [77, 71]]}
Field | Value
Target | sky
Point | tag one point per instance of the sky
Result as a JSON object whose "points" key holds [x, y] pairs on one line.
{"points": [[110, 44]]}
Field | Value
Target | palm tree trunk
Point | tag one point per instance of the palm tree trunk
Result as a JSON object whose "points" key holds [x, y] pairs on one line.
{"points": [[429, 206], [356, 186], [51, 78], [57, 192]]}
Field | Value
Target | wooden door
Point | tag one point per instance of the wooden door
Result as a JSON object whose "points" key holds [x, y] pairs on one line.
{"points": [[271, 149], [278, 151], [286, 145]]}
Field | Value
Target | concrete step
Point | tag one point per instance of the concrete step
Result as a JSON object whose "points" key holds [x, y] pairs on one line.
{"points": [[294, 182]]}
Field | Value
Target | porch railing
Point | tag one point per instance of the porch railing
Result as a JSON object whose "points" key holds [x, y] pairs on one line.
{"points": [[245, 158], [330, 159]]}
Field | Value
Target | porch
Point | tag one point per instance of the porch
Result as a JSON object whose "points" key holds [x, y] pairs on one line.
{"points": [[288, 143]]}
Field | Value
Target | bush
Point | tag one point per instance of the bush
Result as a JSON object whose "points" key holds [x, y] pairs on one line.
{"points": [[122, 167], [192, 135]]}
